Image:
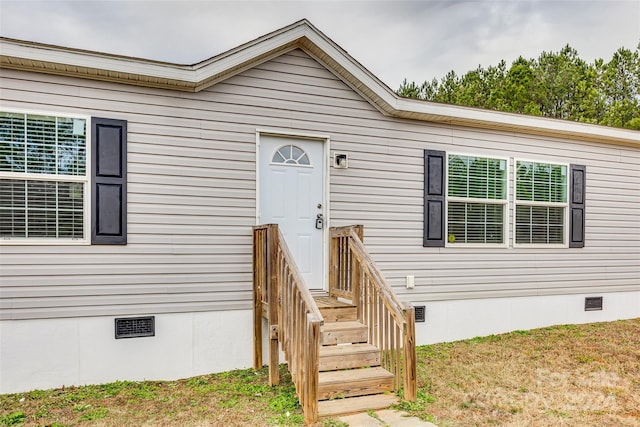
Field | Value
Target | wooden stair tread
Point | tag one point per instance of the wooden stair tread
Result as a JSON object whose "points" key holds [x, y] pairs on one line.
{"points": [[354, 382], [326, 302], [333, 357], [348, 332], [341, 350], [350, 405], [339, 314], [340, 326], [350, 375]]}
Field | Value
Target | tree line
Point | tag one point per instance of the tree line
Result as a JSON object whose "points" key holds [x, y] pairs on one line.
{"points": [[556, 84]]}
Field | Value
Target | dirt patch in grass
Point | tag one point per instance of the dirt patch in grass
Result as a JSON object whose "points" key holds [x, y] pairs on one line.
{"points": [[585, 375], [574, 375]]}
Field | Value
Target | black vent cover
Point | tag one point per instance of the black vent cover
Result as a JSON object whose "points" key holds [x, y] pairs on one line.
{"points": [[592, 303], [420, 313], [134, 327]]}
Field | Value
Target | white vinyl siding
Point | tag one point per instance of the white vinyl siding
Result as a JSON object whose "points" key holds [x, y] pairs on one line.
{"points": [[191, 204], [541, 192], [476, 200], [43, 178]]}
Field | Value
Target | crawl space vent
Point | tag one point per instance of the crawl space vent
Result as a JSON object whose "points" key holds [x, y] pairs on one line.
{"points": [[420, 313], [134, 327], [592, 303]]}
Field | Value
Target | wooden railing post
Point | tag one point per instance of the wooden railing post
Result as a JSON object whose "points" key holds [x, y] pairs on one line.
{"points": [[356, 276], [258, 282], [410, 371], [333, 264], [310, 408], [272, 280]]}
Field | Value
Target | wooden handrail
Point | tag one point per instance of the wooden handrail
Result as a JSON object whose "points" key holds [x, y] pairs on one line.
{"points": [[389, 298], [314, 310], [294, 319], [355, 276]]}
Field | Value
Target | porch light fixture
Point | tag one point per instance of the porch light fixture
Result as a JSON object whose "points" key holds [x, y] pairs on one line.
{"points": [[340, 161]]}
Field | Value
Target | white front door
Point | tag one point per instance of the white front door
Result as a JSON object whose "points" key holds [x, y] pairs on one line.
{"points": [[292, 195]]}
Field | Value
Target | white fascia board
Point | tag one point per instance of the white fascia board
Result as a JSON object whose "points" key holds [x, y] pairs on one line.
{"points": [[503, 119], [245, 54], [193, 74], [92, 60], [360, 73]]}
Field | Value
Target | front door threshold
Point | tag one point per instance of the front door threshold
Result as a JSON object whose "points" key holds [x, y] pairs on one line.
{"points": [[318, 293]]}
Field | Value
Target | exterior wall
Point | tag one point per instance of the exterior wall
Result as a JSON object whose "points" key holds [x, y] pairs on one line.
{"points": [[191, 205], [192, 199], [48, 353], [462, 319]]}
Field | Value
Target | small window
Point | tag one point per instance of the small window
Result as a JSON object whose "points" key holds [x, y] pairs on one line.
{"points": [[291, 155], [541, 203], [476, 200], [43, 177]]}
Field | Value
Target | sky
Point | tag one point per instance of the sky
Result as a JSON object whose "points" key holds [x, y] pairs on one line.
{"points": [[417, 40]]}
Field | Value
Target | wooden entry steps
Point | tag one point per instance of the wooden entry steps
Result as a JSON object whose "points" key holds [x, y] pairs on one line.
{"points": [[333, 341], [351, 378]]}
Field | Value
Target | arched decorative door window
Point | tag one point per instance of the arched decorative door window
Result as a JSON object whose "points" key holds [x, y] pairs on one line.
{"points": [[291, 155]]}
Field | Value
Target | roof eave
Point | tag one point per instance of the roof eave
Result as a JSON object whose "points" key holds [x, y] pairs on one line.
{"points": [[48, 59], [29, 56], [511, 122]]}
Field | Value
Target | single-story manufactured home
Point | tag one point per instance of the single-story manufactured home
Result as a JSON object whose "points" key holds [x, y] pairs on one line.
{"points": [[130, 192]]}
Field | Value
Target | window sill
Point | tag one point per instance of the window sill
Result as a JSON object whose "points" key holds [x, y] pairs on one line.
{"points": [[477, 245], [540, 246], [44, 242]]}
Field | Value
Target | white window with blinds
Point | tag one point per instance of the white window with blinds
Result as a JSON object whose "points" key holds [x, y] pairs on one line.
{"points": [[476, 200], [540, 203], [44, 178]]}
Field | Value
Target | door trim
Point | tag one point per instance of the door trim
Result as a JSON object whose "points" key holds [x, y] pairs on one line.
{"points": [[326, 141]]}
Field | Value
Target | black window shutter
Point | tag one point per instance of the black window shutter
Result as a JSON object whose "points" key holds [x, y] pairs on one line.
{"points": [[434, 198], [108, 182], [576, 206]]}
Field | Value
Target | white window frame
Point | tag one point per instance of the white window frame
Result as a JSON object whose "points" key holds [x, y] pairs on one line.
{"points": [[86, 180], [564, 205], [504, 202]]}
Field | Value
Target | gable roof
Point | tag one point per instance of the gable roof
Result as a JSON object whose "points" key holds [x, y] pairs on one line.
{"points": [[37, 57]]}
